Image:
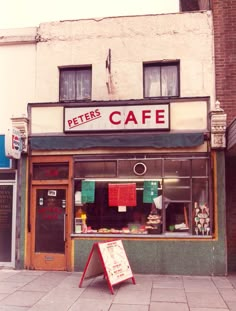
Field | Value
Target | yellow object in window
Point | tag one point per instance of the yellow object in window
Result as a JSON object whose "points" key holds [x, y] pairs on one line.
{"points": [[84, 217]]}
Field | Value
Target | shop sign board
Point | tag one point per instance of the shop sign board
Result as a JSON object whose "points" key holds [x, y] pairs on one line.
{"points": [[117, 118], [13, 143], [108, 258], [5, 162]]}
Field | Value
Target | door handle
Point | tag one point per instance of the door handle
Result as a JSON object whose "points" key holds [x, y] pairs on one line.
{"points": [[64, 233]]}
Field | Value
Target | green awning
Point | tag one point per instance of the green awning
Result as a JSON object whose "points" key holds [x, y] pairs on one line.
{"points": [[87, 141]]}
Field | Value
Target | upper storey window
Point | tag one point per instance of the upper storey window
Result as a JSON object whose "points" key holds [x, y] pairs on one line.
{"points": [[75, 83], [161, 79]]}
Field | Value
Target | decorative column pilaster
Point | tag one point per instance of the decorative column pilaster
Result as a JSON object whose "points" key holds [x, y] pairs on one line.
{"points": [[218, 120]]}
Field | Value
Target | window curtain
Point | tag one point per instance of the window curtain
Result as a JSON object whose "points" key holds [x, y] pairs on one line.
{"points": [[169, 78], [83, 84], [161, 81], [67, 85], [203, 4], [152, 81]]}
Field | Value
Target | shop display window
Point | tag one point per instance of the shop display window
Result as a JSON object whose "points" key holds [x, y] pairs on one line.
{"points": [[149, 196]]}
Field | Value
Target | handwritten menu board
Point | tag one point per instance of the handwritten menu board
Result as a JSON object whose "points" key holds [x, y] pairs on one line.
{"points": [[149, 191], [6, 194], [122, 194], [88, 191], [108, 258]]}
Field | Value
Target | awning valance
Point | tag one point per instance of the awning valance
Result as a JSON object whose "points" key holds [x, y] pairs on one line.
{"points": [[162, 140]]}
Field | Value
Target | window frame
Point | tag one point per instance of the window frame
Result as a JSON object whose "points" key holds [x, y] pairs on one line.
{"points": [[75, 69], [190, 203], [161, 64]]}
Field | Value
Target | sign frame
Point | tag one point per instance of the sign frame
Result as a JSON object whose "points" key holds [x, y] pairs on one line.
{"points": [[117, 118], [108, 259]]}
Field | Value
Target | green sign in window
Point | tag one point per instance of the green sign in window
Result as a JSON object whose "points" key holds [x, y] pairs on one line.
{"points": [[88, 191], [150, 191]]}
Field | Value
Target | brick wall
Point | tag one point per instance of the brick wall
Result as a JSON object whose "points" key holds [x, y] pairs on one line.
{"points": [[224, 19], [224, 16]]}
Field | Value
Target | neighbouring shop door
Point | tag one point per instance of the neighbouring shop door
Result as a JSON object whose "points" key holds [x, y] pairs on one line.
{"points": [[7, 224], [49, 228]]}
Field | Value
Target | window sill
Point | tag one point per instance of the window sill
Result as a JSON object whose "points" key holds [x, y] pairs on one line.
{"points": [[167, 235]]}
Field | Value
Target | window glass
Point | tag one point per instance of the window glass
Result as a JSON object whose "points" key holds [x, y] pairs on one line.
{"points": [[6, 198], [178, 189], [139, 168], [176, 167], [199, 167], [200, 190], [202, 224], [99, 169], [49, 225], [152, 81], [177, 217], [169, 78], [83, 84], [7, 176], [75, 84], [161, 80], [113, 199], [48, 171]]}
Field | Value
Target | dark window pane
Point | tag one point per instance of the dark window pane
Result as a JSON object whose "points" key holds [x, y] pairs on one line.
{"points": [[50, 210], [177, 189], [50, 171], [200, 190], [6, 194], [199, 167], [97, 169], [177, 217], [7, 176], [175, 168], [127, 168]]}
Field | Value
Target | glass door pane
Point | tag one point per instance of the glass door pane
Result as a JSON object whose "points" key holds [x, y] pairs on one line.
{"points": [[6, 200], [50, 212]]}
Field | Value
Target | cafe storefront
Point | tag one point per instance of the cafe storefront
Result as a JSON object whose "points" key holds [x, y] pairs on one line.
{"points": [[140, 171]]}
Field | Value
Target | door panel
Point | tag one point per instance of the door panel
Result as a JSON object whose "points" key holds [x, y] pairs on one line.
{"points": [[49, 228], [6, 224]]}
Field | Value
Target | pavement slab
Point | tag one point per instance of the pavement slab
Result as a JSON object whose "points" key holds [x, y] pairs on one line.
{"points": [[205, 300], [25, 290], [168, 295], [168, 306]]}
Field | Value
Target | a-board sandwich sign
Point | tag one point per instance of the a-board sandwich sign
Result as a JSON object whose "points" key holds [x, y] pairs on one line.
{"points": [[108, 258]]}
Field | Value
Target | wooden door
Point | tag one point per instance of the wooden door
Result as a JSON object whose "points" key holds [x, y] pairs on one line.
{"points": [[49, 229]]}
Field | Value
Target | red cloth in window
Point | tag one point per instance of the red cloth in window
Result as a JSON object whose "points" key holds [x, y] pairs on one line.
{"points": [[122, 194]]}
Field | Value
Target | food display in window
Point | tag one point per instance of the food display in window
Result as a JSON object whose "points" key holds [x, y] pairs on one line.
{"points": [[153, 224], [118, 200], [202, 219]]}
